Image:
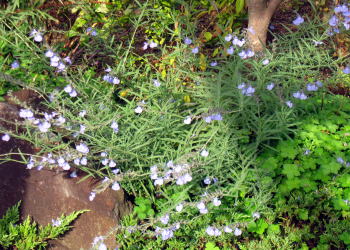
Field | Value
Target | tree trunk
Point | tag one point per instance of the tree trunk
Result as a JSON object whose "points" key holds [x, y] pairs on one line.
{"points": [[259, 16]]}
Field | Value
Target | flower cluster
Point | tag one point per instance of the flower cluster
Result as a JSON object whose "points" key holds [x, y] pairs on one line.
{"points": [[168, 232], [340, 19], [246, 90], [214, 231], [45, 123], [56, 61], [110, 78], [179, 172], [150, 44]]}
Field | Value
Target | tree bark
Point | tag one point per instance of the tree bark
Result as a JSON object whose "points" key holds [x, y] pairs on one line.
{"points": [[259, 16]]}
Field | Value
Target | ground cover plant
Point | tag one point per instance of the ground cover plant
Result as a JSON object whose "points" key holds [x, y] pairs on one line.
{"points": [[220, 148]]}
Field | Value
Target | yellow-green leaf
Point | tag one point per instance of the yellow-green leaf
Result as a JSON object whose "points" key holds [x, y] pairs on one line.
{"points": [[208, 36], [239, 6]]}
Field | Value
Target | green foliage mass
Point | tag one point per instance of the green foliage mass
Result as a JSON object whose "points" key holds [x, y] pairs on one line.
{"points": [[27, 234]]}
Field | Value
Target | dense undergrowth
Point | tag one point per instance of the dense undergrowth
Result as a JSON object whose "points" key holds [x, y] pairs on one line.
{"points": [[220, 148]]}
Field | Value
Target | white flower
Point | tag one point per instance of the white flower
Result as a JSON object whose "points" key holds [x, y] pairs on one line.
{"points": [[153, 44], [216, 202], [68, 88], [204, 153], [203, 211], [44, 126], [73, 174], [210, 231], [82, 113], [82, 129], [104, 154], [167, 234], [266, 62], [56, 223], [76, 161], [102, 246], [38, 37], [159, 182], [256, 215], [5, 137], [105, 162], [228, 37], [201, 205], [138, 110], [179, 207], [156, 83], [112, 164], [270, 86], [26, 113], [165, 219], [92, 196], [227, 229], [116, 186], [184, 179], [237, 232], [188, 120], [49, 53], [66, 166], [60, 120], [61, 161], [83, 161], [82, 148]]}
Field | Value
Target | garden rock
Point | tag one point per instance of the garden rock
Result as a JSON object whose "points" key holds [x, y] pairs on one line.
{"points": [[47, 194]]}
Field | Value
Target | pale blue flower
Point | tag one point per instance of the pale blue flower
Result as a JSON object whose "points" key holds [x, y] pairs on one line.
{"points": [[5, 137], [341, 8], [187, 41], [216, 202], [213, 63], [299, 20], [116, 186], [38, 36], [230, 50], [216, 117], [289, 104], [299, 95], [15, 64], [266, 62], [82, 148], [153, 44], [228, 37], [311, 87], [238, 42], [346, 70], [156, 83], [333, 21], [237, 232], [165, 219], [270, 86], [319, 84], [49, 53], [195, 50]]}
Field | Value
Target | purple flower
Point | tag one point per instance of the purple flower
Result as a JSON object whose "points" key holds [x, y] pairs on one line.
{"points": [[248, 91], [341, 8], [44, 126], [299, 95], [195, 50], [216, 117], [165, 219], [5, 137], [116, 186], [311, 87], [333, 21], [266, 62], [145, 46], [346, 70], [230, 50], [299, 20], [82, 148], [156, 83], [241, 86], [15, 64], [49, 53], [38, 36], [319, 84], [228, 37], [238, 42], [289, 104], [213, 63], [187, 41], [153, 44], [270, 86]]}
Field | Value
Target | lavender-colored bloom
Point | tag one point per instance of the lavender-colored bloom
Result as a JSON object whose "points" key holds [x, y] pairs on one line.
{"points": [[195, 50], [184, 179], [270, 86], [112, 164], [76, 161], [56, 223], [165, 219], [67, 60], [153, 44], [213, 63], [44, 126], [82, 148], [256, 215], [238, 42], [249, 91], [230, 50], [311, 87], [145, 46], [319, 84], [66, 166], [333, 21], [237, 232], [49, 53], [116, 186], [115, 126], [243, 54], [299, 95], [105, 162], [299, 20], [251, 30], [216, 202], [73, 93], [307, 152], [213, 231], [5, 137], [250, 53], [346, 70], [61, 66], [82, 129], [115, 81], [207, 119], [187, 41], [241, 86], [159, 182], [227, 229], [68, 88], [26, 113], [38, 36], [316, 43], [340, 160], [289, 104], [82, 113], [266, 62], [203, 211], [156, 83], [179, 207], [207, 180], [341, 8], [201, 205], [228, 37], [15, 64], [216, 117], [167, 234], [107, 78]]}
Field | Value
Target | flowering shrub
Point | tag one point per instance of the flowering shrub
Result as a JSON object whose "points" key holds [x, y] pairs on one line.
{"points": [[183, 138]]}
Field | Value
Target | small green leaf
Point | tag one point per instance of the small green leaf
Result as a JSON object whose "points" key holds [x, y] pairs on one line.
{"points": [[239, 6], [208, 36], [290, 170]]}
